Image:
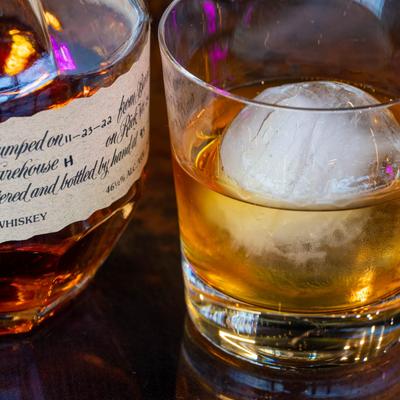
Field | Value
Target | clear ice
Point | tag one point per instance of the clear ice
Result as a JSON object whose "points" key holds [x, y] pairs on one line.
{"points": [[312, 158], [306, 159]]}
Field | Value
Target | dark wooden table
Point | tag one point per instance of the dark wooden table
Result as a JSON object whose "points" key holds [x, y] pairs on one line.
{"points": [[123, 338]]}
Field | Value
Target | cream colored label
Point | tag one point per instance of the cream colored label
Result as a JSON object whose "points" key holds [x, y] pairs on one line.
{"points": [[60, 166]]}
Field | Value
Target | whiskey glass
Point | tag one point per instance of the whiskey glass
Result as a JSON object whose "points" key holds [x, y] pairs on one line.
{"points": [[74, 126], [205, 372], [284, 125]]}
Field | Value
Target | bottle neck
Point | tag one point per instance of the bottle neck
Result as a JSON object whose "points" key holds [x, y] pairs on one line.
{"points": [[30, 14], [26, 58]]}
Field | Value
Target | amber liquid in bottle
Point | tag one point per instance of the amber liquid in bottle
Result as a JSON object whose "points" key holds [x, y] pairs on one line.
{"points": [[40, 273]]}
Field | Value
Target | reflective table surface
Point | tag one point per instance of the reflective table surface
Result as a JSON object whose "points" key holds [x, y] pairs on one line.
{"points": [[126, 337]]}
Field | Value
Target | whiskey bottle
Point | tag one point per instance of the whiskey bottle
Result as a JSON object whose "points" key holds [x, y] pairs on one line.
{"points": [[74, 126]]}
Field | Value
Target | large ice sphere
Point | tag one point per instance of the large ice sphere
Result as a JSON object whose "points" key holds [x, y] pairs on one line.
{"points": [[313, 158], [302, 159]]}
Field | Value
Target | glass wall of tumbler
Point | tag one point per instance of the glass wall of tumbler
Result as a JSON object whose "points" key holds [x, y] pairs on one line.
{"points": [[285, 131]]}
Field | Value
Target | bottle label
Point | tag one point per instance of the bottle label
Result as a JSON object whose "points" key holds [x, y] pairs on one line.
{"points": [[62, 165]]}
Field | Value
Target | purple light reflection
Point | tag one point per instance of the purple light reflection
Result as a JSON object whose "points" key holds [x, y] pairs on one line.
{"points": [[219, 53], [390, 171], [63, 56], [211, 14], [175, 19], [249, 15]]}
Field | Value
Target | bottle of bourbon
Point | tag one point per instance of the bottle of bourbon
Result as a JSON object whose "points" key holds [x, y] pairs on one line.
{"points": [[74, 127]]}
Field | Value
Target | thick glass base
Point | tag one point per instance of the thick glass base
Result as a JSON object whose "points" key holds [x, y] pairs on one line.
{"points": [[292, 340], [208, 373]]}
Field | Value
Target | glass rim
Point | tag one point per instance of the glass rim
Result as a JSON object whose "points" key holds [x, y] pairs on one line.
{"points": [[165, 51]]}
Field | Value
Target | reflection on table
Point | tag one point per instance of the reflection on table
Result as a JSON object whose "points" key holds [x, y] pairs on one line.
{"points": [[206, 373], [74, 356]]}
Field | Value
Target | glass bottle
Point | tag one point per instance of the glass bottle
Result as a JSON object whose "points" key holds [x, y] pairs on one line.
{"points": [[74, 127]]}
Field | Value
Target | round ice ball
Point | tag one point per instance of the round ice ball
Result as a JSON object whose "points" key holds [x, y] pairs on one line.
{"points": [[306, 157]]}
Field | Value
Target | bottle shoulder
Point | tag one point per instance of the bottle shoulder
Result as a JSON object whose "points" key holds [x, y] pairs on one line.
{"points": [[88, 37], [82, 47]]}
